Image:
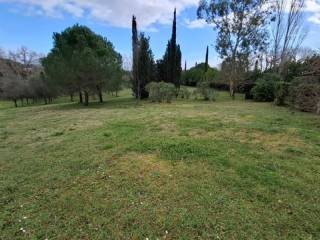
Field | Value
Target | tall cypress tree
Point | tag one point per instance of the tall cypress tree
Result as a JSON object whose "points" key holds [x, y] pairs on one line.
{"points": [[207, 60], [135, 59], [171, 62], [185, 66], [173, 51]]}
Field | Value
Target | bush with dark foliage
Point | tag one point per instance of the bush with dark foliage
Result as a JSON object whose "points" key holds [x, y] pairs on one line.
{"points": [[305, 94], [265, 88], [281, 93]]}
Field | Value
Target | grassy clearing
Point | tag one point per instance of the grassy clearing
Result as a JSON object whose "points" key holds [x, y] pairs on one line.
{"points": [[186, 170]]}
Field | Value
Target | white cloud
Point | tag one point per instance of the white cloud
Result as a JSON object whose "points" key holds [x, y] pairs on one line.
{"points": [[313, 7], [114, 12], [197, 23]]}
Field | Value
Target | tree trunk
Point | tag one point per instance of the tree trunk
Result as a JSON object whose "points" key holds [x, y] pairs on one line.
{"points": [[86, 98], [15, 102], [21, 100], [27, 101], [80, 97], [100, 94], [45, 101], [71, 97]]}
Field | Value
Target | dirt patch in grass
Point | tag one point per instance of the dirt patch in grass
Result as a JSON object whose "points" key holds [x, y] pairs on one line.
{"points": [[274, 142], [143, 166]]}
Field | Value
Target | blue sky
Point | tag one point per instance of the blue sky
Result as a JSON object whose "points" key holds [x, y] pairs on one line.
{"points": [[31, 23]]}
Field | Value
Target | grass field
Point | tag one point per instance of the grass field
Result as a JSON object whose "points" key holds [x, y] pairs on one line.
{"points": [[186, 170]]}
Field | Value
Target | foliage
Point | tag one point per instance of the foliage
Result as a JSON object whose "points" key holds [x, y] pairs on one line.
{"points": [[281, 93], [135, 59], [145, 66], [24, 81], [169, 67], [239, 34], [197, 73], [161, 91], [184, 93], [264, 90], [205, 91], [305, 94], [82, 61]]}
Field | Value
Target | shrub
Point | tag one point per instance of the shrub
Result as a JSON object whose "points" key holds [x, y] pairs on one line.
{"points": [[204, 91], [305, 94], [246, 87], [265, 88], [281, 93], [184, 93], [153, 89], [160, 92]]}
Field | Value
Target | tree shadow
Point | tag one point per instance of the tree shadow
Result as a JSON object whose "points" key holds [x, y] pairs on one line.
{"points": [[110, 103]]}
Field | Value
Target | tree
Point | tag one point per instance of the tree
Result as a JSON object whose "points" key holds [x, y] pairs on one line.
{"points": [[146, 65], [207, 60], [173, 52], [171, 62], [135, 59], [241, 29], [287, 31], [197, 74], [82, 61]]}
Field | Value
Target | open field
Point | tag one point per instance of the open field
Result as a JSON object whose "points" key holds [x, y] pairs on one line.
{"points": [[186, 170]]}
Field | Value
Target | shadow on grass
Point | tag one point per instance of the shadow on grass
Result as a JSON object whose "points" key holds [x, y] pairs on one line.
{"points": [[113, 103]]}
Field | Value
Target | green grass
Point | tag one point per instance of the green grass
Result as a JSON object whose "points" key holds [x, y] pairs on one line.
{"points": [[186, 170]]}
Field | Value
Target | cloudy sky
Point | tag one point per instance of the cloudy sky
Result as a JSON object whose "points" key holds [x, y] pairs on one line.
{"points": [[32, 22]]}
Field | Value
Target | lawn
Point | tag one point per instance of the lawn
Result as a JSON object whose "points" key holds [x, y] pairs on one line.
{"points": [[185, 170]]}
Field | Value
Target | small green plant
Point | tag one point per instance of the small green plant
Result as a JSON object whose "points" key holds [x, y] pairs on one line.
{"points": [[184, 93], [161, 92], [204, 91]]}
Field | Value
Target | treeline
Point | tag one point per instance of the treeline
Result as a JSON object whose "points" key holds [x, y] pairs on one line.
{"points": [[22, 78], [81, 63]]}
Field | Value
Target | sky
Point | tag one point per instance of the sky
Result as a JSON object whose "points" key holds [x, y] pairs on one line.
{"points": [[31, 23]]}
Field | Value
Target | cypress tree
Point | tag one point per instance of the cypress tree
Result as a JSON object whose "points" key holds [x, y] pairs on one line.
{"points": [[135, 59], [207, 60], [171, 62], [178, 69], [185, 66], [146, 65], [173, 51]]}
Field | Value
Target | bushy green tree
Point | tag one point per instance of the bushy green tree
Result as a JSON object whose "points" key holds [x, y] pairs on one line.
{"points": [[197, 73], [265, 88], [242, 31], [82, 60]]}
